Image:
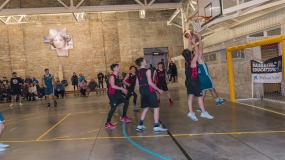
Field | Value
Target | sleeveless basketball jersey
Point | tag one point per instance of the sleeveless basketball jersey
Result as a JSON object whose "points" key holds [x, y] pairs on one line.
{"points": [[203, 70], [160, 76], [143, 82], [112, 91], [132, 80], [190, 73], [48, 80]]}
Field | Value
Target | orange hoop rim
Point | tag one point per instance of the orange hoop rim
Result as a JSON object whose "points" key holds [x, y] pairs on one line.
{"points": [[193, 18]]}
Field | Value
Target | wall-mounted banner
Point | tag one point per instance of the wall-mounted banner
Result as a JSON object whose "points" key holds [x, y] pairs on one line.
{"points": [[269, 71], [60, 41]]}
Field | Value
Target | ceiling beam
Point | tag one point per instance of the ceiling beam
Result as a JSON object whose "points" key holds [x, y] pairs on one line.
{"points": [[150, 3], [59, 10], [4, 4], [243, 6], [139, 2], [63, 4], [79, 4]]}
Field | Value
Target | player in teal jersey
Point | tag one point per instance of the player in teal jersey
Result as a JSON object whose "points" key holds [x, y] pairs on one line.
{"points": [[48, 82], [205, 77]]}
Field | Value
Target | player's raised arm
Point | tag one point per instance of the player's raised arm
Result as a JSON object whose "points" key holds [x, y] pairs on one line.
{"points": [[200, 49], [195, 58], [190, 47]]}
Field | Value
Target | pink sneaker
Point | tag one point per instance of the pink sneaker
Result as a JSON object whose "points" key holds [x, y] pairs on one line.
{"points": [[171, 102], [110, 125], [126, 119]]}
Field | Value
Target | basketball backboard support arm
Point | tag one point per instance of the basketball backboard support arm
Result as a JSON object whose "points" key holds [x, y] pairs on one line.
{"points": [[243, 6]]}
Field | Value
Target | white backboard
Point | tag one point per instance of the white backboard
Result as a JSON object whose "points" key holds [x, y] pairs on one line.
{"points": [[210, 8]]}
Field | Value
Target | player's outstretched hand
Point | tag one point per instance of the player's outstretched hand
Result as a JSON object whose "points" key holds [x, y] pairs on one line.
{"points": [[160, 91], [45, 86], [199, 36], [193, 39]]}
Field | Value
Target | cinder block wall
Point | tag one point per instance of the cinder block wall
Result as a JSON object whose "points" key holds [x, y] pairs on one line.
{"points": [[100, 40]]}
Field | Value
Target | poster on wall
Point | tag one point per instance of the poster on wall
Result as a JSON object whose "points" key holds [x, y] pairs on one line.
{"points": [[60, 41], [269, 71]]}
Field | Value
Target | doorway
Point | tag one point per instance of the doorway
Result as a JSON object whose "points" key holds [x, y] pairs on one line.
{"points": [[155, 55]]}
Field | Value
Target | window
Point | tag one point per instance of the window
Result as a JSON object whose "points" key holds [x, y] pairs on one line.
{"points": [[238, 54], [260, 34], [274, 32], [210, 57]]}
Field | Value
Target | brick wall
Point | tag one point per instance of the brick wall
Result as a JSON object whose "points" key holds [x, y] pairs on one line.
{"points": [[100, 40]]}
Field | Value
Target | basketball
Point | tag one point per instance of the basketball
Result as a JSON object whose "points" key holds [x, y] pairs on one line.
{"points": [[187, 33]]}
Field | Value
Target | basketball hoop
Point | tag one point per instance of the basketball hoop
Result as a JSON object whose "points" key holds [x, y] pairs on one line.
{"points": [[197, 22]]}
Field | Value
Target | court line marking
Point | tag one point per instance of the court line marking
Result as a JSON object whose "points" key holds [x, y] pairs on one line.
{"points": [[23, 116], [140, 147], [150, 136], [53, 127], [268, 110], [21, 124], [61, 137], [93, 130], [49, 116]]}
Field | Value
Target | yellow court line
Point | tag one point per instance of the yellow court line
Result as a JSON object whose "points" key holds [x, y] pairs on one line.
{"points": [[53, 127], [268, 110], [93, 130], [24, 116], [115, 123], [48, 116], [61, 137], [150, 136]]}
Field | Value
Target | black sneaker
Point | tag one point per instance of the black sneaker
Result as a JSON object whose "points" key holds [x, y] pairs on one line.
{"points": [[55, 103], [48, 106]]}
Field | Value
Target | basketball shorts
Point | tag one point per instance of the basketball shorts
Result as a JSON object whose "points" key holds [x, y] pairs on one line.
{"points": [[149, 100], [16, 91], [1, 118], [206, 83], [162, 86], [194, 87], [49, 91]]}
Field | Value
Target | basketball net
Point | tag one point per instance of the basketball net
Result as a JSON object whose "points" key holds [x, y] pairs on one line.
{"points": [[197, 22]]}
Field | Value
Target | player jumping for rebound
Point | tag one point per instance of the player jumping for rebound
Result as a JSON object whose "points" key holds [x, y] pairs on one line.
{"points": [[161, 81], [148, 96], [205, 77], [130, 82], [192, 81], [115, 96], [48, 82], [16, 84]]}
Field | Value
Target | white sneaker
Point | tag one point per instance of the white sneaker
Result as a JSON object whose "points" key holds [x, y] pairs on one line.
{"points": [[2, 145], [11, 104], [159, 129], [20, 104], [141, 128], [192, 116], [206, 115], [2, 149], [136, 108]]}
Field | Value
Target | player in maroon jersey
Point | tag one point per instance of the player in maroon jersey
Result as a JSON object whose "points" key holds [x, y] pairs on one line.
{"points": [[130, 82], [116, 98], [161, 81]]}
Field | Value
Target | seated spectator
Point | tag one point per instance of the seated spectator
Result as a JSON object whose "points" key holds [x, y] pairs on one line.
{"points": [[35, 81], [25, 90], [83, 87], [5, 81], [28, 80], [7, 92], [33, 92], [41, 92], [1, 93], [59, 89], [64, 82], [92, 87]]}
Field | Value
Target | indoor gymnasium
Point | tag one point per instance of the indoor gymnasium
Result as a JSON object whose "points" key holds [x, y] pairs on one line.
{"points": [[142, 80]]}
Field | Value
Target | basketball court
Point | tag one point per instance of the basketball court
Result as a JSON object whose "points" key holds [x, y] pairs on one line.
{"points": [[243, 42]]}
